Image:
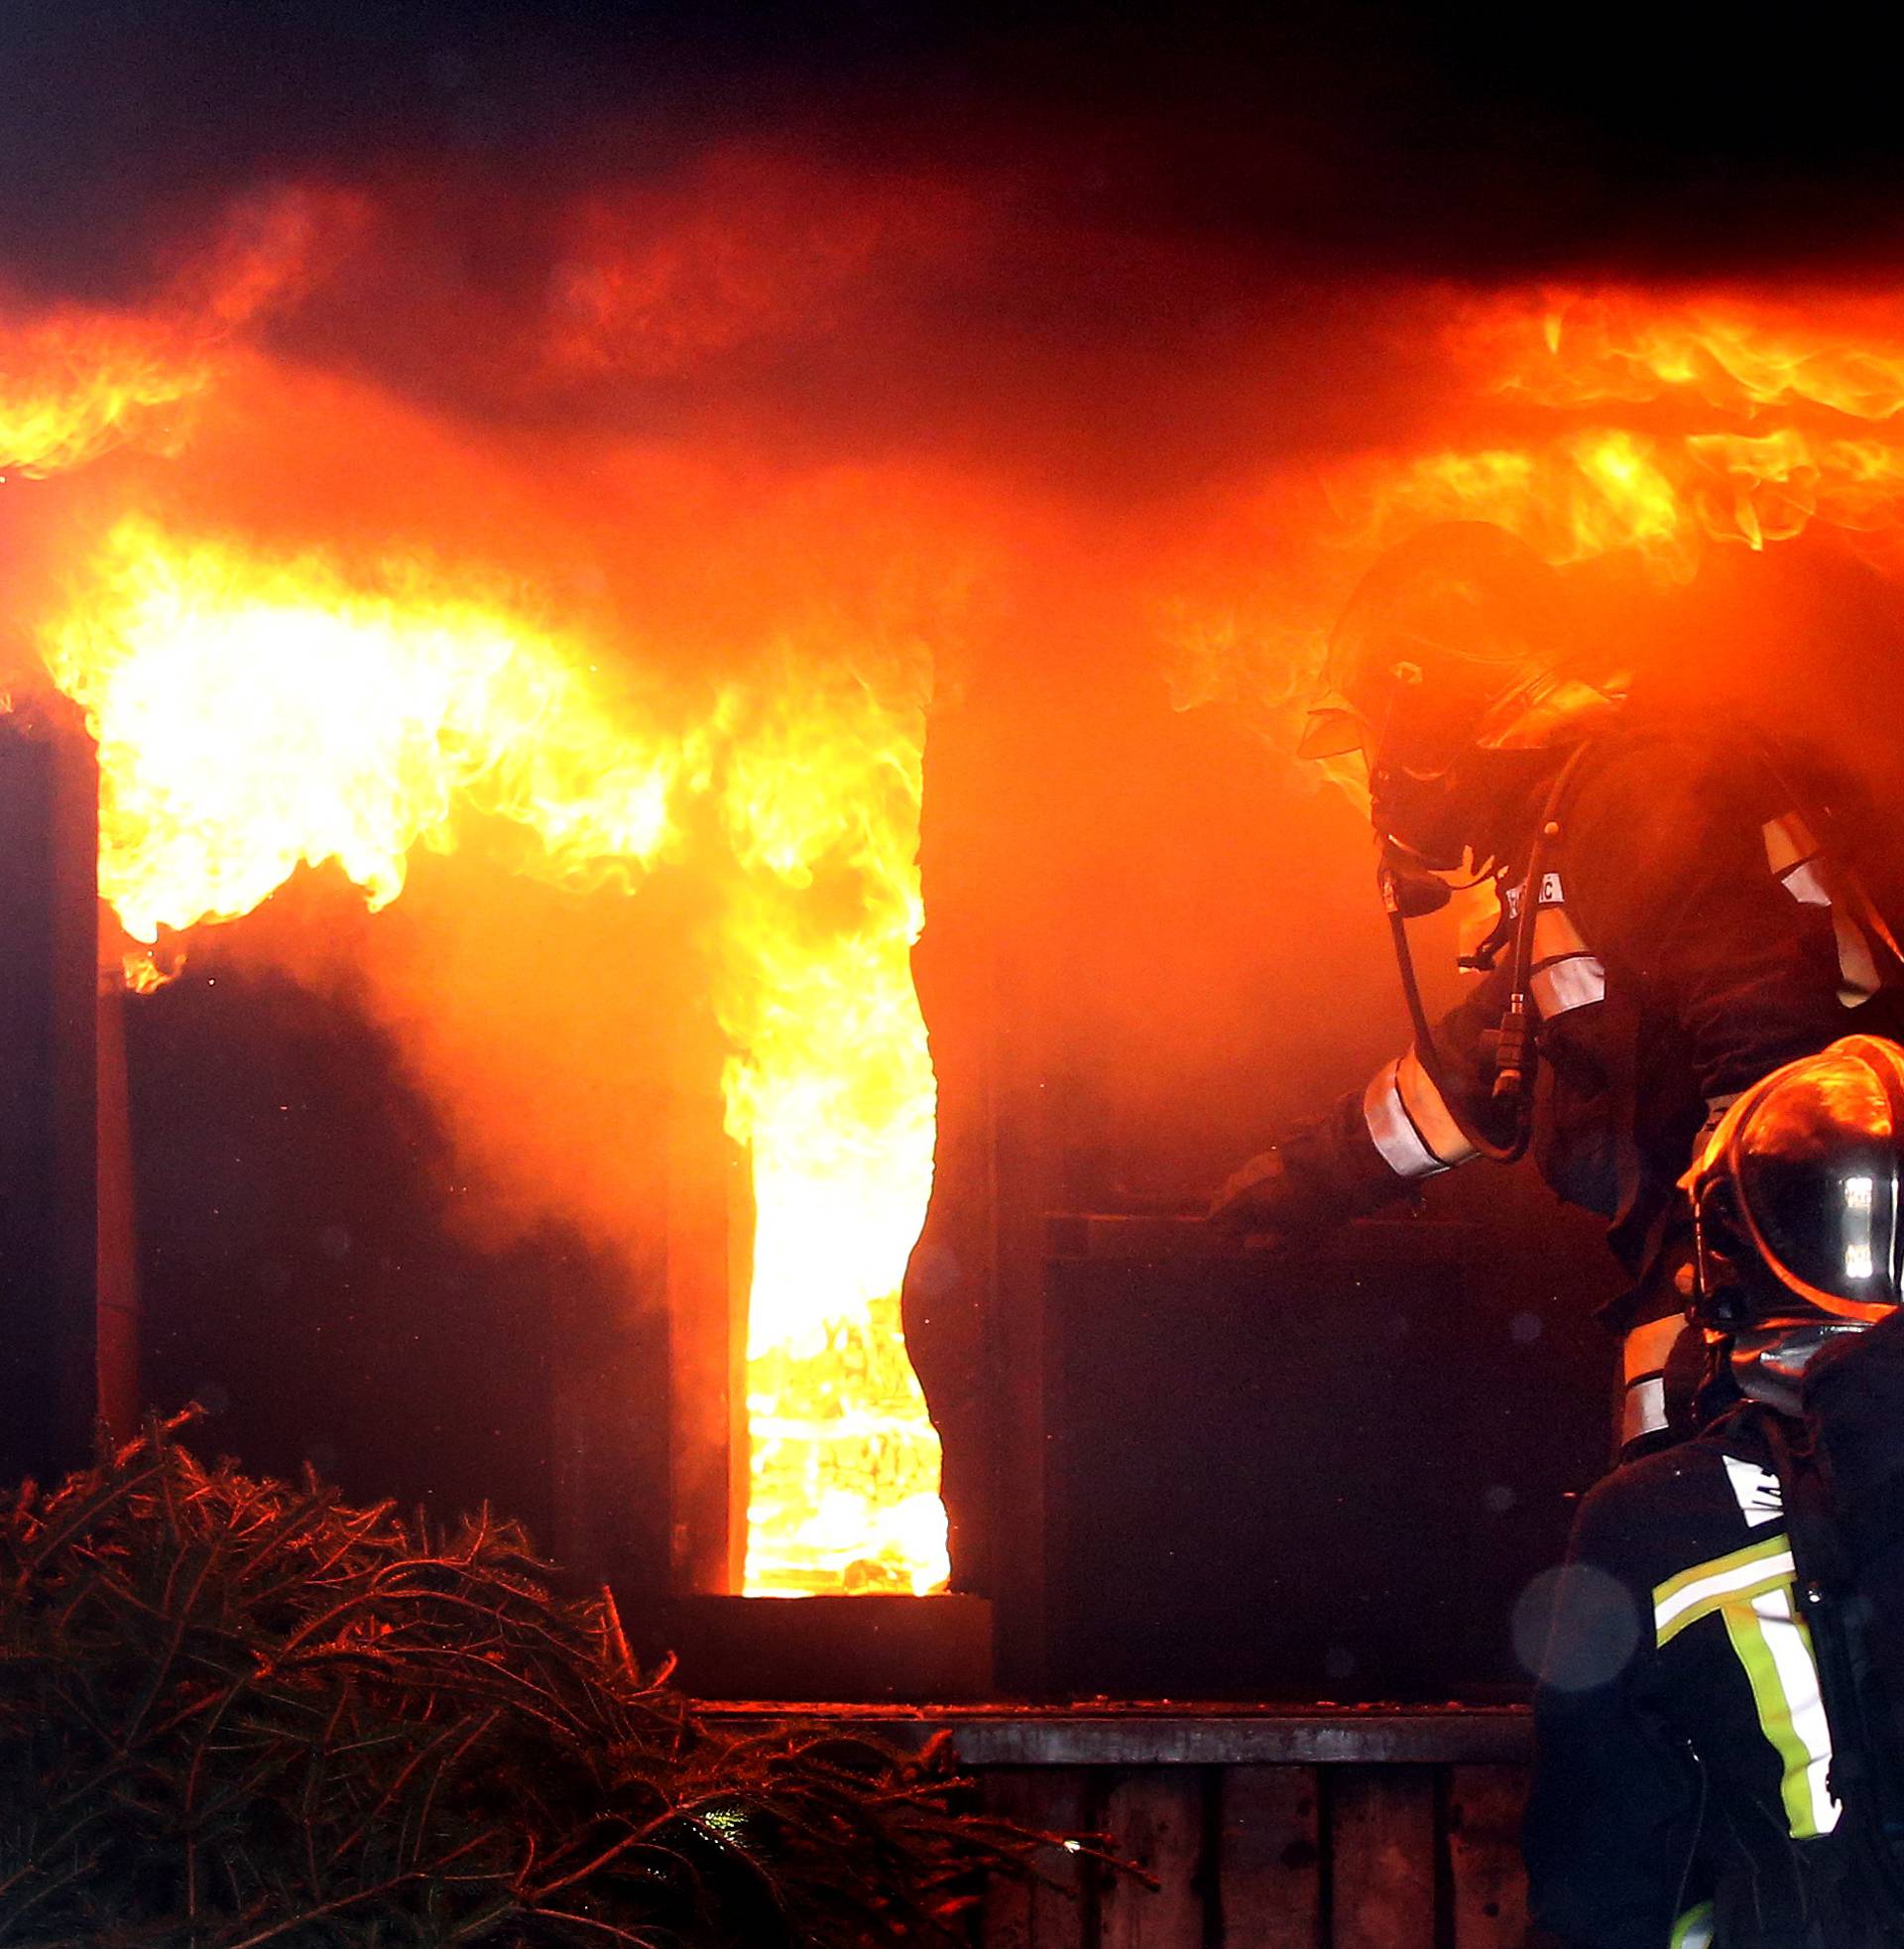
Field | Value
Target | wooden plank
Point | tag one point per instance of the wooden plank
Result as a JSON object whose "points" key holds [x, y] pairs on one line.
{"points": [[49, 1025], [1022, 1915], [1268, 1861], [709, 1247], [1483, 1856], [1154, 1818], [120, 1397], [1381, 1845]]}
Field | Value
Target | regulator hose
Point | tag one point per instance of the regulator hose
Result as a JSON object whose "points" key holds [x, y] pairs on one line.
{"points": [[1517, 1054]]}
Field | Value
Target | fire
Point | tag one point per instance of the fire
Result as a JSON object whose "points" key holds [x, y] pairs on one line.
{"points": [[259, 708], [76, 381], [72, 386], [255, 712], [1669, 427], [833, 1094]]}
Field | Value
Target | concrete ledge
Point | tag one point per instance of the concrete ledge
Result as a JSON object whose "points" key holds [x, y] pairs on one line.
{"points": [[1174, 1734]]}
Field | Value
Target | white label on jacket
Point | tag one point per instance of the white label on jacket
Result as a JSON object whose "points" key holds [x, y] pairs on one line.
{"points": [[1759, 1494]]}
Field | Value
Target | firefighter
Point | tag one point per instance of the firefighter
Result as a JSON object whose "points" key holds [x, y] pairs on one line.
{"points": [[1709, 1767], [1669, 930]]}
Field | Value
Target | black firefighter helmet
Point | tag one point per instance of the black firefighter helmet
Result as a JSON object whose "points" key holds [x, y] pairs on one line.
{"points": [[1795, 1199], [1453, 671]]}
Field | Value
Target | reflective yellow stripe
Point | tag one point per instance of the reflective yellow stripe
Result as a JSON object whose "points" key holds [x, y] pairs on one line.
{"points": [[1774, 1644], [1694, 1929], [1701, 1590], [1751, 1590]]}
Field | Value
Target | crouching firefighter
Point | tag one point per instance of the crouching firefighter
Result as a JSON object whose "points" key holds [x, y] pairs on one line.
{"points": [[1719, 1722], [1678, 915]]}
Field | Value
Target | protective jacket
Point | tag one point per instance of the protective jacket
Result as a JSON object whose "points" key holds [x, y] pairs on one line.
{"points": [[1683, 1784], [1686, 943]]}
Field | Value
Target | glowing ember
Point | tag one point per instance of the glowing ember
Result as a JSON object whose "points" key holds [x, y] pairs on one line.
{"points": [[834, 1096]]}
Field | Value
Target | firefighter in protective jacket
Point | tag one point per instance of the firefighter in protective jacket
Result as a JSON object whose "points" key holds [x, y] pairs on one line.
{"points": [[1709, 1766], [1670, 930]]}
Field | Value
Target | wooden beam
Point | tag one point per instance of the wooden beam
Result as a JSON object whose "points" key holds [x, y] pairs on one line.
{"points": [[121, 1398], [48, 1107], [710, 1229], [1269, 1859], [1382, 1874], [1179, 1735], [1156, 1820], [1483, 1856], [1057, 1914]]}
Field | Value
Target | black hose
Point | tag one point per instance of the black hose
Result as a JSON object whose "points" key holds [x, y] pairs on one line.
{"points": [[1517, 1054]]}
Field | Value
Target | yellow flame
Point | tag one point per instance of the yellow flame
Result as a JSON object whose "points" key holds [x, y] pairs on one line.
{"points": [[832, 1092], [72, 386], [255, 713]]}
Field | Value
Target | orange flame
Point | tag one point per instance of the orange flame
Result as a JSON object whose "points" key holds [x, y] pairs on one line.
{"points": [[73, 386], [74, 383], [1671, 426], [255, 712]]}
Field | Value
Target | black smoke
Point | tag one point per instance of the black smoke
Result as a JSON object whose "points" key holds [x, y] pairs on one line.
{"points": [[1462, 142]]}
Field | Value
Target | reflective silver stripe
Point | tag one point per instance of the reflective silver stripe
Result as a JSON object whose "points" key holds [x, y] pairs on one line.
{"points": [[1566, 975], [1788, 844], [1855, 961], [1429, 1113], [1403, 1148], [1645, 1409], [1574, 983], [1647, 1349], [1792, 853]]}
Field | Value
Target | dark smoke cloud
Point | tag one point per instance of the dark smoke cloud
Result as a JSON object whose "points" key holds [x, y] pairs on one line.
{"points": [[1468, 142]]}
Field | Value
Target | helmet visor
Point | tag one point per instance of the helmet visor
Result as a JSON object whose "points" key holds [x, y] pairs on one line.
{"points": [[1817, 1174]]}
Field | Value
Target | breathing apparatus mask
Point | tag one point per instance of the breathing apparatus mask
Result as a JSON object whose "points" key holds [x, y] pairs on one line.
{"points": [[1796, 1206], [1453, 675]]}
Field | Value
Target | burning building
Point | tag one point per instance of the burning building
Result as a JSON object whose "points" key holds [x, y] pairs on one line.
{"points": [[762, 685], [674, 653]]}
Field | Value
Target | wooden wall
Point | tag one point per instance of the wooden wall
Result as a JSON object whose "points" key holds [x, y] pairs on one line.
{"points": [[1383, 1828]]}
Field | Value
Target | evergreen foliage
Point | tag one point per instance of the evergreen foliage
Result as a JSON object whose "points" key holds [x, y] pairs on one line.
{"points": [[237, 1711]]}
